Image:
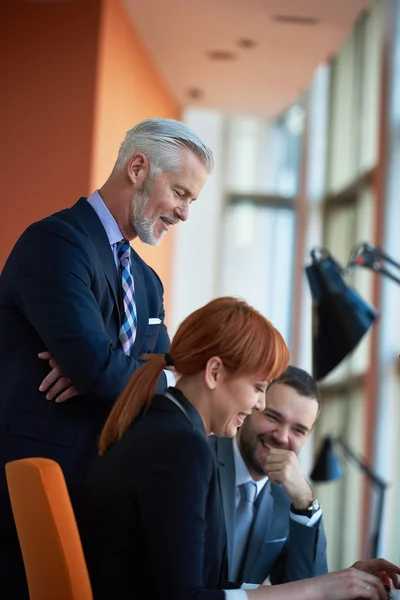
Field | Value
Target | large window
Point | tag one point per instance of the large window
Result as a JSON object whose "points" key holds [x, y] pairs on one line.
{"points": [[349, 219], [344, 213], [356, 85], [387, 447], [263, 156], [244, 221], [342, 415], [261, 182], [257, 258]]}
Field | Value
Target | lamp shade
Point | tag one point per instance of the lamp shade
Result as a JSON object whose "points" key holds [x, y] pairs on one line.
{"points": [[327, 466], [340, 315]]}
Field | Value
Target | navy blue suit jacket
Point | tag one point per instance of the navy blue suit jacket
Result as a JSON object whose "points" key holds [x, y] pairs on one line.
{"points": [[60, 291], [152, 523], [278, 546]]}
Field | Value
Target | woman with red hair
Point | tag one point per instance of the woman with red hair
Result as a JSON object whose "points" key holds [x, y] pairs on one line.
{"points": [[152, 524]]}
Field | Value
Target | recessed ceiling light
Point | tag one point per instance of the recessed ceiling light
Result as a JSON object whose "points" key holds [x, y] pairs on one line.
{"points": [[194, 93], [223, 55], [295, 20], [247, 43]]}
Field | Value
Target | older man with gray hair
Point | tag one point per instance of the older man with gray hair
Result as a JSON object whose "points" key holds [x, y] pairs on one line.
{"points": [[74, 286]]}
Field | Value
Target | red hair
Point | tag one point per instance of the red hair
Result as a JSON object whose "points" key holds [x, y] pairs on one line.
{"points": [[245, 341]]}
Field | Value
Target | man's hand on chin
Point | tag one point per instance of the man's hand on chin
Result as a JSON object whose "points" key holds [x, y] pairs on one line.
{"points": [[282, 466]]}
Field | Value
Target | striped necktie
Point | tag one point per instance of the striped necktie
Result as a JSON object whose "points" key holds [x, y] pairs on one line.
{"points": [[127, 333]]}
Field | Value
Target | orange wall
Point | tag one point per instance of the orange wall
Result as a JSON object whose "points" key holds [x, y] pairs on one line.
{"points": [[48, 54], [129, 90], [74, 78]]}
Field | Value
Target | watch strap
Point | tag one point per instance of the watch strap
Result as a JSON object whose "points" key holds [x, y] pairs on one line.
{"points": [[307, 512]]}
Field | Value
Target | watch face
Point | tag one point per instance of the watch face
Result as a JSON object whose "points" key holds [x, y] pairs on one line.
{"points": [[315, 505]]}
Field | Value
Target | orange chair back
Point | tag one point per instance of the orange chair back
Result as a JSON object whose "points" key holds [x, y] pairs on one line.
{"points": [[48, 535]]}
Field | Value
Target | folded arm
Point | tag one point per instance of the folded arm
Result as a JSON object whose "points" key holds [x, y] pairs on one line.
{"points": [[53, 289]]}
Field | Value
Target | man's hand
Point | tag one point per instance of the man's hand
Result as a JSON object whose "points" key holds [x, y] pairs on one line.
{"points": [[282, 466], [55, 382]]}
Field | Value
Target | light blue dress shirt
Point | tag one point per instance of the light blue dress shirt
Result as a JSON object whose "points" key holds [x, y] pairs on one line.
{"points": [[114, 236]]}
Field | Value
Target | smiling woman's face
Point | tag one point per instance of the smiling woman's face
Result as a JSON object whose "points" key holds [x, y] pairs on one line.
{"points": [[233, 402]]}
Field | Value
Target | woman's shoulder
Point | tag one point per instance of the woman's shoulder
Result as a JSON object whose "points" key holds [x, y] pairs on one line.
{"points": [[165, 429]]}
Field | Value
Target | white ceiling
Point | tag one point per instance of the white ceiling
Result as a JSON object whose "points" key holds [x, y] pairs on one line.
{"points": [[264, 79]]}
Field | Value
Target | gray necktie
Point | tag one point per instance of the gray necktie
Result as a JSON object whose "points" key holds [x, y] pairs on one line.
{"points": [[243, 520]]}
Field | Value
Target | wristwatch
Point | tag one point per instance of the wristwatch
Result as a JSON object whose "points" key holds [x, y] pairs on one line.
{"points": [[307, 512]]}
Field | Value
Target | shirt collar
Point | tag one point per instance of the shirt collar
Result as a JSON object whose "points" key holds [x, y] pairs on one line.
{"points": [[188, 408], [109, 223], [242, 472]]}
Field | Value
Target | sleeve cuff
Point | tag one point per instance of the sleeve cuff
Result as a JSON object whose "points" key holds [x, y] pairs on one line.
{"points": [[236, 595], [307, 521]]}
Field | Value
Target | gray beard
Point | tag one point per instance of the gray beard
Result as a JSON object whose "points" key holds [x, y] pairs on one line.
{"points": [[144, 226]]}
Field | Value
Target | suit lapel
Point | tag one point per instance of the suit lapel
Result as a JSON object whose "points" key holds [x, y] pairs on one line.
{"points": [[142, 311], [259, 530], [111, 273], [87, 215], [228, 487]]}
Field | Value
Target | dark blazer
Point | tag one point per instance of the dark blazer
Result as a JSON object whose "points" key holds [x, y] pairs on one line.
{"points": [[60, 291], [152, 522], [278, 547]]}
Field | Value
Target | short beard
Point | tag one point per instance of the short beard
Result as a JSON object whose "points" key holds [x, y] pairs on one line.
{"points": [[144, 226], [248, 446], [248, 451]]}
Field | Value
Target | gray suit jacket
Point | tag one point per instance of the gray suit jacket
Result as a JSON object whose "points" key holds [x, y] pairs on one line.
{"points": [[278, 547]]}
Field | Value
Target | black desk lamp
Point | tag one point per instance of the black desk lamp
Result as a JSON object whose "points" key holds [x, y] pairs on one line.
{"points": [[340, 319], [328, 468], [368, 256], [340, 315]]}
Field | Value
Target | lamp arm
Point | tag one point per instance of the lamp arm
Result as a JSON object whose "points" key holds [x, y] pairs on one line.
{"points": [[376, 534], [361, 464], [368, 256], [388, 274]]}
